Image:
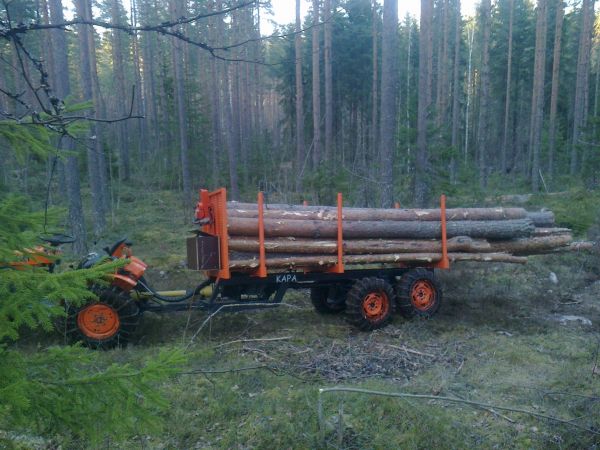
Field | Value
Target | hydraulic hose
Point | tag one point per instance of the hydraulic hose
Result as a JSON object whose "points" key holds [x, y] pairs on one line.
{"points": [[189, 294]]}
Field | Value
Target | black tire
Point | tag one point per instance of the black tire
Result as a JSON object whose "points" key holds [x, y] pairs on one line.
{"points": [[370, 303], [418, 294], [88, 323], [328, 299]]}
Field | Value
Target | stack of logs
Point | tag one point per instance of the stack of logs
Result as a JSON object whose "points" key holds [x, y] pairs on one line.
{"points": [[306, 236]]}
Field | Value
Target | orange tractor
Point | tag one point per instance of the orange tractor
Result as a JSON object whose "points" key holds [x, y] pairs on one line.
{"points": [[369, 296]]}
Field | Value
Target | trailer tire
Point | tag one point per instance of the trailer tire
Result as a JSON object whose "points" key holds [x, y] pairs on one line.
{"points": [[418, 294], [328, 299], [371, 303], [105, 323]]}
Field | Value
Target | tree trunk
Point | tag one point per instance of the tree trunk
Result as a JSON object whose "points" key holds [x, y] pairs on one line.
{"points": [[374, 79], [327, 18], [316, 87], [415, 258], [232, 135], [95, 152], [249, 210], [389, 104], [317, 229], [582, 79], [470, 37], [456, 90], [121, 98], [300, 152], [555, 86], [482, 126], [532, 245], [59, 76], [425, 57], [443, 70], [507, 92], [537, 97], [358, 247], [177, 9]]}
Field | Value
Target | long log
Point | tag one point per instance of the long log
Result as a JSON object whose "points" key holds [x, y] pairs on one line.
{"points": [[359, 247], [317, 261], [541, 218], [578, 246], [250, 211], [549, 231], [532, 245], [501, 229]]}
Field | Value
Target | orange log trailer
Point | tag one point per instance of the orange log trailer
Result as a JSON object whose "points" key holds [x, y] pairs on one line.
{"points": [[369, 294]]}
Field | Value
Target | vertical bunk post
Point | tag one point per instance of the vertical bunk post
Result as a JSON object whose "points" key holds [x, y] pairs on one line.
{"points": [[262, 260], [444, 262], [339, 267]]}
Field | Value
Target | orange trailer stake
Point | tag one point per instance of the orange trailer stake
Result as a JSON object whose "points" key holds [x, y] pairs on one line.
{"points": [[339, 267], [444, 262], [262, 263]]}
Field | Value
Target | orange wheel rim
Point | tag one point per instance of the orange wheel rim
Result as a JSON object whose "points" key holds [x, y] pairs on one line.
{"points": [[98, 321], [423, 295], [375, 305]]}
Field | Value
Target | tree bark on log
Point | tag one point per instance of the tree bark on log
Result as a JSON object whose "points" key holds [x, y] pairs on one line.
{"points": [[409, 258], [549, 231], [532, 245], [359, 247], [541, 218], [250, 210], [496, 230]]}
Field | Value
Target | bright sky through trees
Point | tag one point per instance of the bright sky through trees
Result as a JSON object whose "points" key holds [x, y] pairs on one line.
{"points": [[284, 11]]}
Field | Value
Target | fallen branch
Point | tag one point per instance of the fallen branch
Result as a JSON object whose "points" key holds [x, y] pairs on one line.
{"points": [[410, 350], [440, 398], [238, 341]]}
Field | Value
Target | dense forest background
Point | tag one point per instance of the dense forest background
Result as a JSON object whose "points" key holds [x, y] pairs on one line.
{"points": [[189, 94]]}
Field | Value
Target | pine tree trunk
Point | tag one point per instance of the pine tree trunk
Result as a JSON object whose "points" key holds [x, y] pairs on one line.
{"points": [[484, 99], [537, 98], [121, 98], [95, 152], [327, 18], [582, 80], [425, 57], [456, 90], [555, 86], [320, 229], [389, 105], [358, 247], [60, 81], [374, 79], [316, 87], [232, 135], [300, 152], [507, 92], [177, 9]]}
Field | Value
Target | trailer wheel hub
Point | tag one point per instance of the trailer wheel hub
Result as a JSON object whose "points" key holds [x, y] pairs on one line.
{"points": [[376, 305], [98, 321], [423, 295]]}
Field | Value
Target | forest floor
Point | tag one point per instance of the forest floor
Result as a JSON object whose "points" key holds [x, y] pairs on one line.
{"points": [[506, 335]]}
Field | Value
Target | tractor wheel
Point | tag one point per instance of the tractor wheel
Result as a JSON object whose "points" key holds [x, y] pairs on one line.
{"points": [[418, 294], [370, 303], [105, 323], [328, 299]]}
